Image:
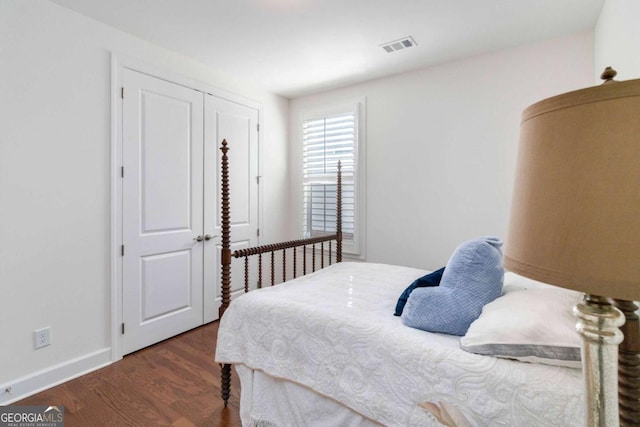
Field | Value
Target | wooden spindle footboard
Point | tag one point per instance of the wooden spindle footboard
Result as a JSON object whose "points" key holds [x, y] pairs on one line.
{"points": [[227, 255]]}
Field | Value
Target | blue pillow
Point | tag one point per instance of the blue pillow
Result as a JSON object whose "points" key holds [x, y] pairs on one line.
{"points": [[472, 278], [431, 279]]}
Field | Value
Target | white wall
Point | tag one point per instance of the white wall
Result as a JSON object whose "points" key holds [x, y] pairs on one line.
{"points": [[441, 145], [617, 39], [55, 148]]}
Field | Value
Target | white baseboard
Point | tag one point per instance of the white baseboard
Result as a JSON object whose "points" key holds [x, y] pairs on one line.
{"points": [[52, 376]]}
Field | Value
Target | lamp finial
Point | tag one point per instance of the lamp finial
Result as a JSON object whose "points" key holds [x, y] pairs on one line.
{"points": [[608, 74]]}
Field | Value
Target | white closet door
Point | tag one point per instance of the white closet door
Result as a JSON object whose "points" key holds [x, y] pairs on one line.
{"points": [[162, 210], [238, 124]]}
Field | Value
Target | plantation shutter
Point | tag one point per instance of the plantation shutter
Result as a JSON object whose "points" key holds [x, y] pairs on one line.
{"points": [[327, 140]]}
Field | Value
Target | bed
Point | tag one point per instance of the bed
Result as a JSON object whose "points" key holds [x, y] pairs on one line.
{"points": [[325, 349]]}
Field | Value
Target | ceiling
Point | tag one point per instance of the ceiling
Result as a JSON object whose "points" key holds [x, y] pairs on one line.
{"points": [[298, 47]]}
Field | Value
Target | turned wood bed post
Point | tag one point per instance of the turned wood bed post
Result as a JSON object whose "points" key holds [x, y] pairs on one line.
{"points": [[629, 365], [225, 256], [225, 253]]}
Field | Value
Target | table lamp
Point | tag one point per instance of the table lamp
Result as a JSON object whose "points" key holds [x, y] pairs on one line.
{"points": [[575, 223]]}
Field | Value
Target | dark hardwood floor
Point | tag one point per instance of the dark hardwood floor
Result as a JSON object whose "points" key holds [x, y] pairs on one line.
{"points": [[173, 383]]}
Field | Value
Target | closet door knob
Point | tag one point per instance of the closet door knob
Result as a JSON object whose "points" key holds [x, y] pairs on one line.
{"points": [[199, 239], [208, 237]]}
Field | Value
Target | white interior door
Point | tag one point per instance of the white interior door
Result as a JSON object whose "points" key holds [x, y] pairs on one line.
{"points": [[238, 124], [162, 198]]}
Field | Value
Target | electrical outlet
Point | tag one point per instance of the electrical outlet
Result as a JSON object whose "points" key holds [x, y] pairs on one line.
{"points": [[42, 337]]}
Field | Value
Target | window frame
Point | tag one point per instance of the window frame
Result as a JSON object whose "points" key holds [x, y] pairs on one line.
{"points": [[351, 248]]}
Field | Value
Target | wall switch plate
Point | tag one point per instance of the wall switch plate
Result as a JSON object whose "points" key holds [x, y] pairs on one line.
{"points": [[42, 337]]}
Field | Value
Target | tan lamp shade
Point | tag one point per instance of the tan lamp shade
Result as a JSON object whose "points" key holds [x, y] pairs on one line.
{"points": [[575, 216]]}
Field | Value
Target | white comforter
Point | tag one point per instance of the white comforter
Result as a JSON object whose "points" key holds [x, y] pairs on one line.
{"points": [[334, 332]]}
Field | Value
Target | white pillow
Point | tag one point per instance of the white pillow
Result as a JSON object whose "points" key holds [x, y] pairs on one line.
{"points": [[532, 322]]}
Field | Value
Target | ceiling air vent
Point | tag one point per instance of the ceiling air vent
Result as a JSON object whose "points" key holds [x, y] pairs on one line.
{"points": [[403, 43]]}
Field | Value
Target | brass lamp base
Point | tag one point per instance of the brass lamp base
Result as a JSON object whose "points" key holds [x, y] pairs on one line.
{"points": [[598, 325]]}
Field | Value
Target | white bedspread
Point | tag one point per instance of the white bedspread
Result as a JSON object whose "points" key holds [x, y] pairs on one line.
{"points": [[334, 332]]}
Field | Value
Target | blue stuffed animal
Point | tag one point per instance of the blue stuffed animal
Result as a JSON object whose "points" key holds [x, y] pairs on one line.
{"points": [[472, 278]]}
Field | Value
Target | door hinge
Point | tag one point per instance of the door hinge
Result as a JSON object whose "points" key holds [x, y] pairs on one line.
{"points": [[122, 92], [258, 232], [121, 171], [258, 127], [122, 250], [122, 328], [258, 179]]}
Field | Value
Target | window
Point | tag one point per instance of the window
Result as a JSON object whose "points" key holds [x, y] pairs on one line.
{"points": [[329, 138]]}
